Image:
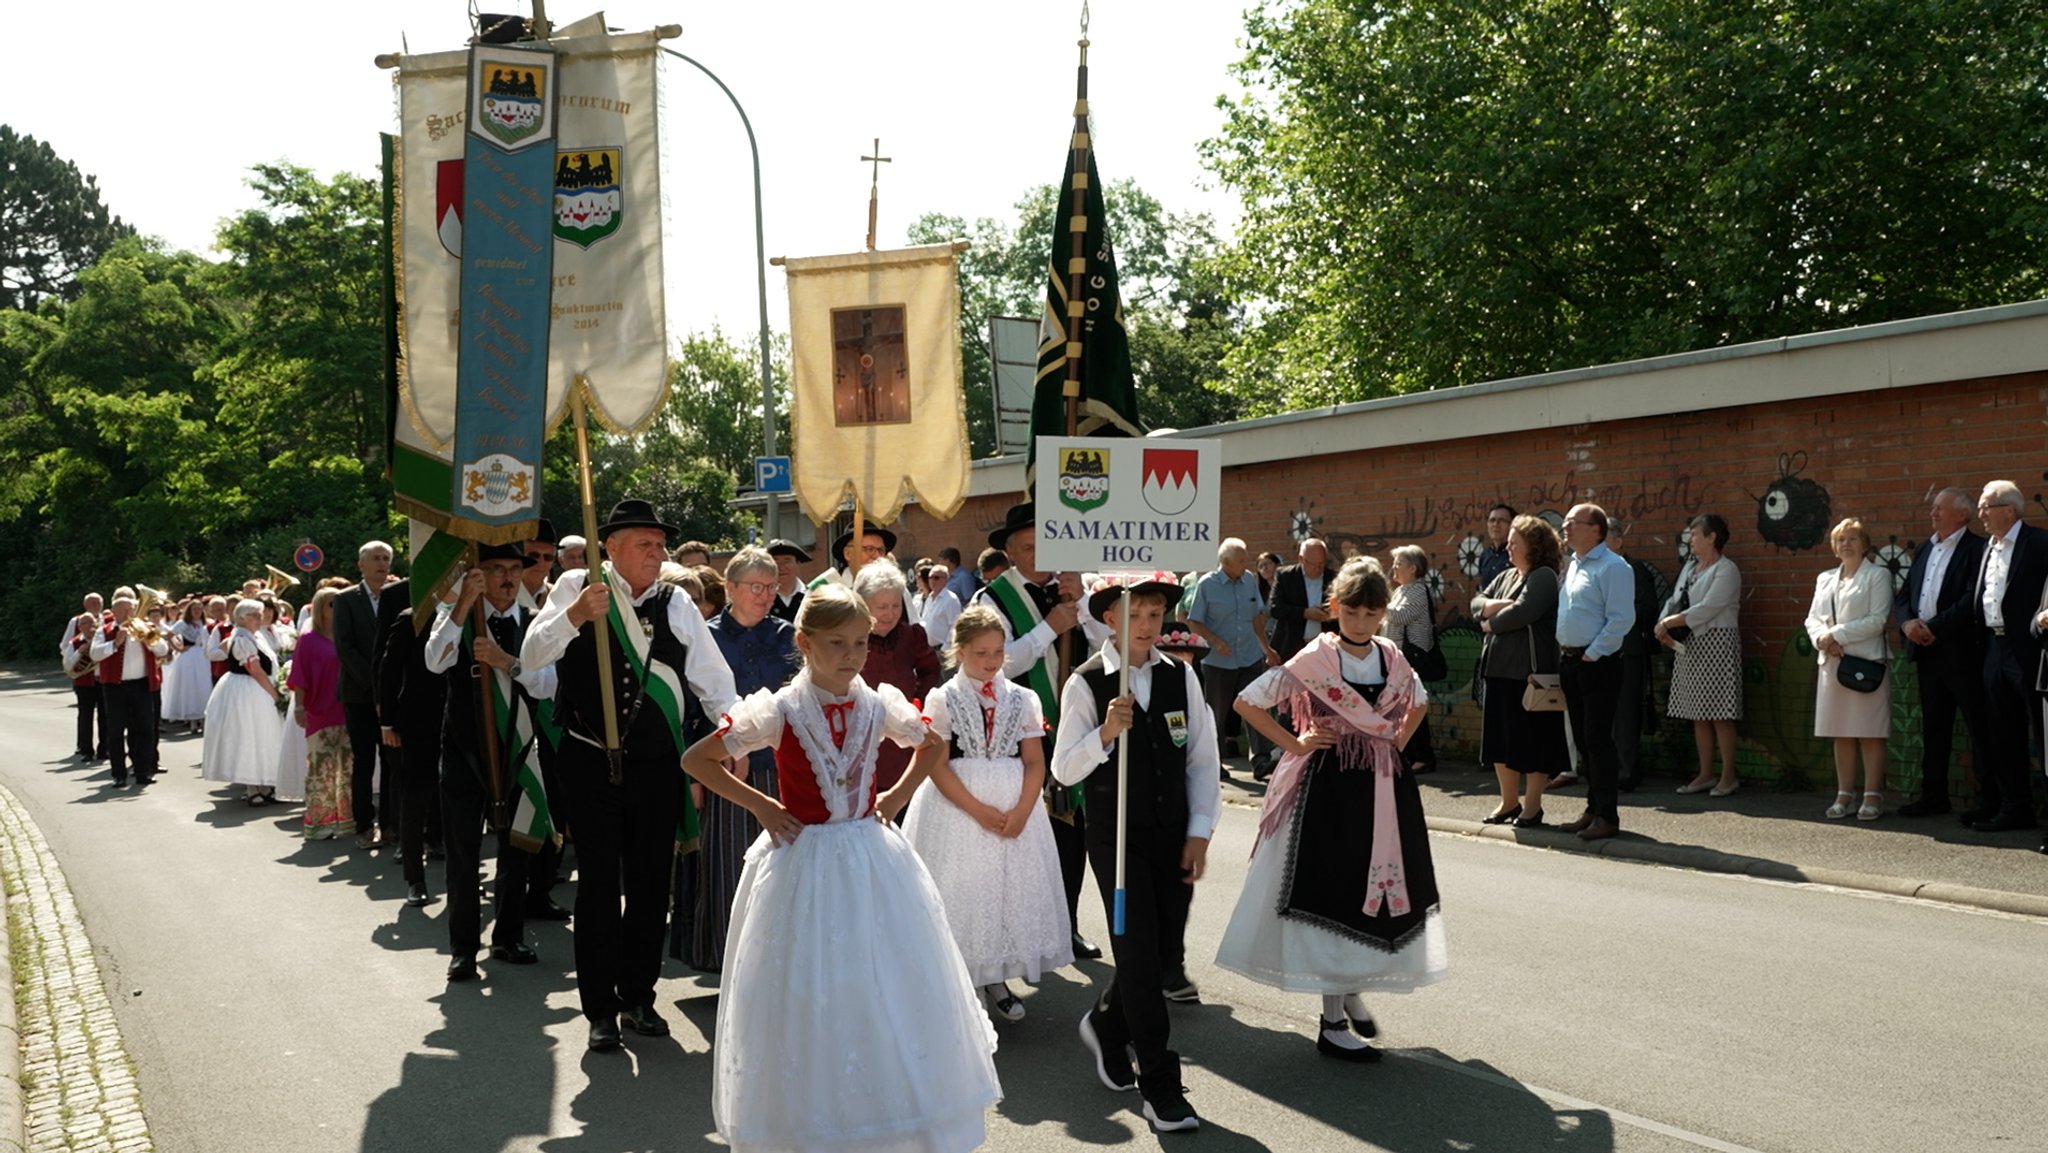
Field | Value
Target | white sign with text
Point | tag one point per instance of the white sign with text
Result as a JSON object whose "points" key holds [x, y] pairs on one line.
{"points": [[1119, 503]]}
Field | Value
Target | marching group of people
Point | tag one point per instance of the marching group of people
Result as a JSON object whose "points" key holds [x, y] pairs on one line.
{"points": [[895, 788]]}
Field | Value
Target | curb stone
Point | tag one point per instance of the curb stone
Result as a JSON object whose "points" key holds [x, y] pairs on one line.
{"points": [[1712, 861], [68, 1084]]}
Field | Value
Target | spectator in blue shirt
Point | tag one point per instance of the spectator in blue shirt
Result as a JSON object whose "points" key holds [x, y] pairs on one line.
{"points": [[1229, 613], [1595, 610]]}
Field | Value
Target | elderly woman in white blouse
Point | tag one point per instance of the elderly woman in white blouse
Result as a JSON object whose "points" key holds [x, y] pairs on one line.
{"points": [[1852, 606], [1699, 623]]}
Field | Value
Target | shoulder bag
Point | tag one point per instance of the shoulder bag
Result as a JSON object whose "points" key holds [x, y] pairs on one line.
{"points": [[1428, 663], [1545, 691], [1858, 674], [1683, 633]]}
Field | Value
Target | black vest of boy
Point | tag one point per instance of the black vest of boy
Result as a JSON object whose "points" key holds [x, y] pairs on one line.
{"points": [[1158, 764], [579, 702], [460, 728]]}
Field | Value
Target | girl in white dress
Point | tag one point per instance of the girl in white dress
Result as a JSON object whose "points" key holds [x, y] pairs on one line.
{"points": [[846, 1019], [188, 682], [243, 728], [981, 830]]}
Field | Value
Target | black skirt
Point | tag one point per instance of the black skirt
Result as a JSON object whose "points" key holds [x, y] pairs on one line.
{"points": [[1525, 742]]}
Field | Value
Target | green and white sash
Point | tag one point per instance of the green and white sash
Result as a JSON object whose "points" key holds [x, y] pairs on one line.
{"points": [[533, 825], [1015, 602], [663, 685]]}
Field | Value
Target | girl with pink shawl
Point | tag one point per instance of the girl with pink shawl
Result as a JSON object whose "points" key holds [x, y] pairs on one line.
{"points": [[1341, 897]]}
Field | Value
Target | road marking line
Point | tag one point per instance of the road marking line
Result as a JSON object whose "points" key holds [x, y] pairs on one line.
{"points": [[1571, 1102]]}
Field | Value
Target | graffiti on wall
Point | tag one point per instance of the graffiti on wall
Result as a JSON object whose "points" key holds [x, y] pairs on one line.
{"points": [[1793, 512]]}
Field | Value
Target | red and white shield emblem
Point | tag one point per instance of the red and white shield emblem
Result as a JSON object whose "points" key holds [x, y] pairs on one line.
{"points": [[1170, 484], [448, 206]]}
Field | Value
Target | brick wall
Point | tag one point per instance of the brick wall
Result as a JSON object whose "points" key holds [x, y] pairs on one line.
{"points": [[1781, 474]]}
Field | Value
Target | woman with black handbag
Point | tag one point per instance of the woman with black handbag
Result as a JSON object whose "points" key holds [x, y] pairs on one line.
{"points": [[1518, 615], [1699, 623], [1411, 623], [1852, 607]]}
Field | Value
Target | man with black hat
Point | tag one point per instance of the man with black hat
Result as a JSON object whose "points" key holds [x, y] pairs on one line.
{"points": [[627, 803], [789, 585], [1037, 609], [534, 581], [533, 591], [472, 660], [876, 543]]}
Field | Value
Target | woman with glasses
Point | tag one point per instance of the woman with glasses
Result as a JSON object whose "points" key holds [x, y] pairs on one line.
{"points": [[760, 649], [899, 653]]}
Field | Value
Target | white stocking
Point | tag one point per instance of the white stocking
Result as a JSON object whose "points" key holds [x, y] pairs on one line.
{"points": [[1336, 1030]]}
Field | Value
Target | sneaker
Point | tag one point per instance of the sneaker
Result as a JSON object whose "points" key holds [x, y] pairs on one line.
{"points": [[1177, 987], [1002, 1002], [1112, 1063], [1168, 1109]]}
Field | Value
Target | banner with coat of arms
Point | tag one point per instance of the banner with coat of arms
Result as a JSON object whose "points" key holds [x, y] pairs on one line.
{"points": [[607, 326], [876, 408]]}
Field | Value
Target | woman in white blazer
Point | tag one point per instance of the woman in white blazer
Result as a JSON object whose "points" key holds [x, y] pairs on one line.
{"points": [[1852, 607]]}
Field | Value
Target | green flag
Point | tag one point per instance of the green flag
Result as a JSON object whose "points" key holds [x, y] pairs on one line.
{"points": [[1082, 337]]}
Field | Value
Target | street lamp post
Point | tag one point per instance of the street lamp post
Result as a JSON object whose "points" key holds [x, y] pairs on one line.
{"points": [[771, 524]]}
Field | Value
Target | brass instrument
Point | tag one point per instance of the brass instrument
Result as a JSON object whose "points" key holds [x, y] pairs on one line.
{"points": [[279, 580], [138, 626]]}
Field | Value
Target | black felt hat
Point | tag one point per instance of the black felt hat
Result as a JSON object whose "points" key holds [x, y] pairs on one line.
{"points": [[544, 532], [840, 542], [780, 547], [491, 552], [1020, 516], [635, 514]]}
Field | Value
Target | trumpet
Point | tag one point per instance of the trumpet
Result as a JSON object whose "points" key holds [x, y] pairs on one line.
{"points": [[279, 580]]}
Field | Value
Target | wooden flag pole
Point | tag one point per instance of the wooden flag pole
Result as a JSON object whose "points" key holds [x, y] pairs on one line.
{"points": [[1123, 753], [486, 681], [614, 754]]}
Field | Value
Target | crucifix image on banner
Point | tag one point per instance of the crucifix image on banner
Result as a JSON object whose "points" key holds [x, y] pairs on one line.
{"points": [[870, 369]]}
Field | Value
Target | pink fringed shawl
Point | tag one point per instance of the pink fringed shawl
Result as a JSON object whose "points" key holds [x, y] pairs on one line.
{"points": [[1315, 676]]}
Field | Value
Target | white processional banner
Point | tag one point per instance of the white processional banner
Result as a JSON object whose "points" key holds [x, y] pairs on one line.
{"points": [[607, 329]]}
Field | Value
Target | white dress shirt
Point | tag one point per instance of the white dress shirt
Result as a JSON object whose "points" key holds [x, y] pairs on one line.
{"points": [[1937, 567], [444, 646], [133, 667], [704, 670], [1997, 566], [1079, 750]]}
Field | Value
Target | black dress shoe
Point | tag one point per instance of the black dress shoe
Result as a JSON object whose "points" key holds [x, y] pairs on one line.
{"points": [[462, 969], [642, 1019], [1969, 817], [417, 897], [604, 1033], [517, 953], [545, 909], [1085, 949], [2004, 823], [1502, 816], [1923, 808]]}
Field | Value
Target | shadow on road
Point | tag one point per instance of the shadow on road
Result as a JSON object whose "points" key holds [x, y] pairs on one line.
{"points": [[487, 1077]]}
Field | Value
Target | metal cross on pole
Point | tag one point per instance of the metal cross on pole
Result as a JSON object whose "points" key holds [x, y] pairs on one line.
{"points": [[875, 163]]}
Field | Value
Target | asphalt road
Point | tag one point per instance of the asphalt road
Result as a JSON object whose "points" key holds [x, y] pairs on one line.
{"points": [[277, 996]]}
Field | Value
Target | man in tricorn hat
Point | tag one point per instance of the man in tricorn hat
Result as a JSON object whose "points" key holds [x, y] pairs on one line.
{"points": [[1037, 609], [789, 584], [627, 804]]}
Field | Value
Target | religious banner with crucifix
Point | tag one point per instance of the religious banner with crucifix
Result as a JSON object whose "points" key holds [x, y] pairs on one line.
{"points": [[875, 401]]}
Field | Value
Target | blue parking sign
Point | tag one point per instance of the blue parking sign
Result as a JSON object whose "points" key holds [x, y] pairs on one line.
{"points": [[771, 474]]}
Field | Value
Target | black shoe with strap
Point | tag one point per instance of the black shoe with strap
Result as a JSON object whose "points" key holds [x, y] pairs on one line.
{"points": [[1361, 1053]]}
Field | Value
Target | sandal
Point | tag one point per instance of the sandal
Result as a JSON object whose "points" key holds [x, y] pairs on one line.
{"points": [[1502, 816], [1873, 807], [1843, 799]]}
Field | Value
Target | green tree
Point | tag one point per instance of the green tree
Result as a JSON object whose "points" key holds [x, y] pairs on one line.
{"points": [[1437, 195], [1176, 304], [690, 458], [52, 224]]}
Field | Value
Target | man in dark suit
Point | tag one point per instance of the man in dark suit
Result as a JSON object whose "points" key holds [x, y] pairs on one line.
{"points": [[410, 702], [1300, 607], [2007, 599], [362, 617], [1940, 626]]}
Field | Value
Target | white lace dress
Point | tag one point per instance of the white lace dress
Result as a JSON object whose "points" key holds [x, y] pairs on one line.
{"points": [[243, 729], [846, 1020], [1005, 901], [188, 682]]}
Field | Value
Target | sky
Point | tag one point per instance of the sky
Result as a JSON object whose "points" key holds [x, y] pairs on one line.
{"points": [[169, 107]]}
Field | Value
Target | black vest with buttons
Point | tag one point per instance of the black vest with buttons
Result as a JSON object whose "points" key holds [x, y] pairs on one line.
{"points": [[1158, 767], [460, 726], [579, 702]]}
